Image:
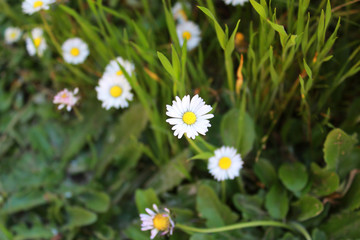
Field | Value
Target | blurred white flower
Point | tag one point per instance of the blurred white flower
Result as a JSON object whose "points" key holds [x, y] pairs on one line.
{"points": [[114, 68], [12, 34], [226, 163], [178, 11], [235, 2], [32, 6], [114, 91], [191, 32], [157, 222], [190, 117], [36, 44], [66, 98], [75, 51]]}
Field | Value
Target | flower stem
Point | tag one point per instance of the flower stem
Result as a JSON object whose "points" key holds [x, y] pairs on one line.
{"points": [[245, 225], [223, 191]]}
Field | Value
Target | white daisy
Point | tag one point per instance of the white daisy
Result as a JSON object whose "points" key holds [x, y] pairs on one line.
{"points": [[36, 44], [32, 6], [235, 2], [157, 222], [226, 163], [75, 51], [191, 32], [114, 91], [66, 98], [12, 34], [114, 68], [178, 11], [189, 117]]}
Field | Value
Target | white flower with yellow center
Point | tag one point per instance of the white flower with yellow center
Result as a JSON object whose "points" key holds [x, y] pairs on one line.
{"points": [[190, 117], [75, 51], [12, 34], [226, 163], [235, 2], [114, 91], [157, 222], [66, 98], [32, 6], [114, 67], [36, 44], [191, 32], [178, 11]]}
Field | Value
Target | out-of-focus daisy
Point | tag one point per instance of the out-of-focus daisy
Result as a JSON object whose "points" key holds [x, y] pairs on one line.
{"points": [[178, 11], [235, 2], [191, 32], [75, 51], [226, 163], [66, 98], [157, 222], [114, 68], [12, 34], [189, 116], [32, 6], [36, 44], [114, 91]]}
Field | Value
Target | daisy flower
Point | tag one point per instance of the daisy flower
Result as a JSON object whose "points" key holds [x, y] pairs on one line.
{"points": [[12, 34], [66, 98], [178, 11], [114, 68], [226, 163], [114, 91], [32, 6], [189, 117], [75, 51], [36, 44], [157, 221], [235, 2], [191, 32]]}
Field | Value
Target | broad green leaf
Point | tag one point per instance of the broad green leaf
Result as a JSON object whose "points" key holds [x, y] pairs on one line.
{"points": [[324, 182], [327, 14], [277, 202], [259, 9], [293, 175], [134, 232], [202, 156], [265, 171], [341, 225], [78, 217], [210, 207], [145, 199], [351, 200], [96, 201], [230, 46], [250, 206], [318, 235], [307, 207], [35, 232], [166, 64]]}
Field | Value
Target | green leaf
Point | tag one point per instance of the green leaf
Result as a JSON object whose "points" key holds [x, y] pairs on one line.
{"points": [[293, 175], [341, 225], [145, 199], [307, 207], [338, 145], [324, 182], [230, 46], [201, 236], [250, 206], [78, 217], [351, 200], [35, 232], [265, 171], [277, 202], [96, 201], [210, 207], [321, 28], [230, 130], [166, 64], [327, 14], [318, 235], [134, 232], [202, 156], [259, 9]]}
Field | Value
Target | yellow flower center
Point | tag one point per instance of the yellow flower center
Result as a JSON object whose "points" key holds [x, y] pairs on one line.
{"points": [[115, 91], [224, 163], [75, 52], [189, 118], [161, 222], [38, 4], [13, 35], [182, 13], [186, 35], [64, 95], [37, 41], [119, 73]]}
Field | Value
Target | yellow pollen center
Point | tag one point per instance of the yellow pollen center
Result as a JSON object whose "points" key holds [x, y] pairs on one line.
{"points": [[75, 52], [13, 35], [161, 222], [64, 95], [186, 35], [189, 118], [37, 42], [119, 73], [38, 4], [183, 14], [115, 91], [224, 163]]}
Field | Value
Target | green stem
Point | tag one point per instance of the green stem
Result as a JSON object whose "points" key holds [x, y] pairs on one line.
{"points": [[223, 191], [193, 145], [48, 30], [243, 225]]}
